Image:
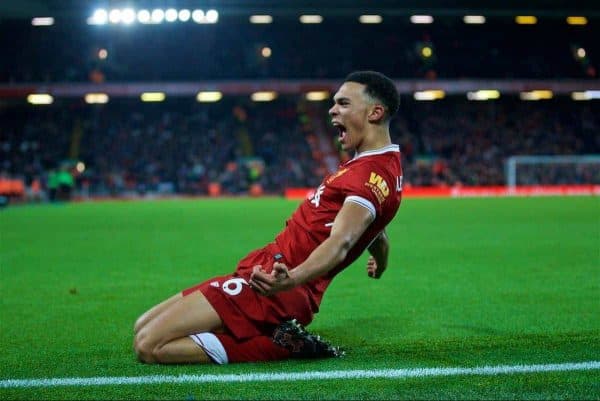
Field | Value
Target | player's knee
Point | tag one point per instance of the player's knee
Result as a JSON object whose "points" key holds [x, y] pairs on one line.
{"points": [[144, 348]]}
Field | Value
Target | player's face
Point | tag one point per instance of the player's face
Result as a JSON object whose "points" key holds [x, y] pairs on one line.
{"points": [[349, 114]]}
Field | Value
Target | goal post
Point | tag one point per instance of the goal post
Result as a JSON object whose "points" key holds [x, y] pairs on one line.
{"points": [[552, 170]]}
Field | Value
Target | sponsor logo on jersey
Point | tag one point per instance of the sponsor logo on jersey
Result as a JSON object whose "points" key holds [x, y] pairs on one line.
{"points": [[316, 198], [336, 175], [378, 186]]}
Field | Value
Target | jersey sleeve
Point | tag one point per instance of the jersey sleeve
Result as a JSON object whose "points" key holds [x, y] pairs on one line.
{"points": [[365, 185]]}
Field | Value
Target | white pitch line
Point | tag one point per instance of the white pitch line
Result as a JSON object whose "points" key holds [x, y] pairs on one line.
{"points": [[291, 376]]}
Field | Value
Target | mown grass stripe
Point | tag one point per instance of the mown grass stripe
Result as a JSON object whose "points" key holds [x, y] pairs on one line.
{"points": [[298, 376]]}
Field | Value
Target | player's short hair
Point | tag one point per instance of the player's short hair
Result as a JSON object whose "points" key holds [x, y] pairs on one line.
{"points": [[379, 87]]}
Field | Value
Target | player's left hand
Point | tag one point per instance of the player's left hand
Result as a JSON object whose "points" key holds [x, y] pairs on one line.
{"points": [[268, 284], [373, 270]]}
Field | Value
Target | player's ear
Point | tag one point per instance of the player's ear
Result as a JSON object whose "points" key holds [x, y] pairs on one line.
{"points": [[376, 113]]}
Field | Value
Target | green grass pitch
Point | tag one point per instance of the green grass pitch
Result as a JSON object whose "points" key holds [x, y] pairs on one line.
{"points": [[471, 282]]}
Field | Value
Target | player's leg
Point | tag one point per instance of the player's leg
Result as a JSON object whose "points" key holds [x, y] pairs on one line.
{"points": [[164, 338], [153, 312]]}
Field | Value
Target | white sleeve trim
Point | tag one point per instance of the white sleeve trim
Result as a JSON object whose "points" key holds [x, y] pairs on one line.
{"points": [[363, 202], [212, 346]]}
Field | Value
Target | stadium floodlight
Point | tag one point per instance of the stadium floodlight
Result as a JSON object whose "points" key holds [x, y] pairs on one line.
{"points": [[483, 94], [157, 16], [99, 17], [42, 21], [429, 94], [212, 16], [581, 52], [40, 98], [96, 98], [261, 19], [143, 16], [421, 19], [577, 20], [114, 16], [128, 16], [266, 52], [184, 15], [152, 96], [586, 95], [536, 95], [370, 19], [209, 96], [171, 15], [526, 20], [317, 96], [311, 19], [264, 96], [474, 19], [198, 16]]}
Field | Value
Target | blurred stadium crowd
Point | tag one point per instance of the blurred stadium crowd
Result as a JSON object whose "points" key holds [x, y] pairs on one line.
{"points": [[184, 147]]}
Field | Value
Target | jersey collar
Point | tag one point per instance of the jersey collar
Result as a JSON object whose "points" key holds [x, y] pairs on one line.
{"points": [[385, 149]]}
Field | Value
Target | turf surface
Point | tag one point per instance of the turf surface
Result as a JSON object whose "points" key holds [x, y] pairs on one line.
{"points": [[471, 282]]}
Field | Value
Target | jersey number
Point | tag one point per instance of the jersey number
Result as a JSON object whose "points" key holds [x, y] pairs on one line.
{"points": [[234, 286]]}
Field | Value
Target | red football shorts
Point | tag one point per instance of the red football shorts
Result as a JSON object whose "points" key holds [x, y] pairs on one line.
{"points": [[244, 312]]}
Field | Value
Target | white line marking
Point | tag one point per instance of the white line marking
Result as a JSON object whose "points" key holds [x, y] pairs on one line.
{"points": [[293, 376]]}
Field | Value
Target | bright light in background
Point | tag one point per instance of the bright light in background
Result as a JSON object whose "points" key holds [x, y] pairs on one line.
{"points": [[152, 96], [40, 98], [114, 16], [184, 15], [526, 20], [536, 95], [577, 20], [143, 16], [209, 96], [266, 96], [429, 95], [80, 167], [370, 19], [42, 21], [96, 98], [426, 52], [128, 16], [100, 17], [212, 16], [317, 96], [171, 15], [421, 19], [474, 19], [157, 16], [266, 52], [581, 52], [483, 94], [261, 19], [586, 95], [102, 54], [198, 16], [311, 19]]}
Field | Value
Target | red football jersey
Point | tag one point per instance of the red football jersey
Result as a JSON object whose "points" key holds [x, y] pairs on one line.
{"points": [[372, 179]]}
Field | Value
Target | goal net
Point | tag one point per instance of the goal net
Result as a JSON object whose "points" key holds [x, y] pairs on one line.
{"points": [[553, 170]]}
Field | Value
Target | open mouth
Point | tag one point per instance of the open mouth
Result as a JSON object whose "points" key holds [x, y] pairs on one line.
{"points": [[341, 130]]}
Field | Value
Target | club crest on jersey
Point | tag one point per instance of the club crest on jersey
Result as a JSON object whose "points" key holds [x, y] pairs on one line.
{"points": [[336, 175], [378, 186]]}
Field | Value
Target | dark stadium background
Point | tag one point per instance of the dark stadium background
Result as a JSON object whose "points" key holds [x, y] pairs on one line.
{"points": [[238, 146]]}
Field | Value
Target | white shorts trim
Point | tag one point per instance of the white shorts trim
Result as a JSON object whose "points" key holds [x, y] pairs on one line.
{"points": [[212, 346], [363, 202]]}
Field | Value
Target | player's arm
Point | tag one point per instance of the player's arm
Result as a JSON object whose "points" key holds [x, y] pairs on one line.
{"points": [[379, 250], [350, 223]]}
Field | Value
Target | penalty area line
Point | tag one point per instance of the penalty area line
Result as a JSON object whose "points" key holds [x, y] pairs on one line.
{"points": [[299, 376]]}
